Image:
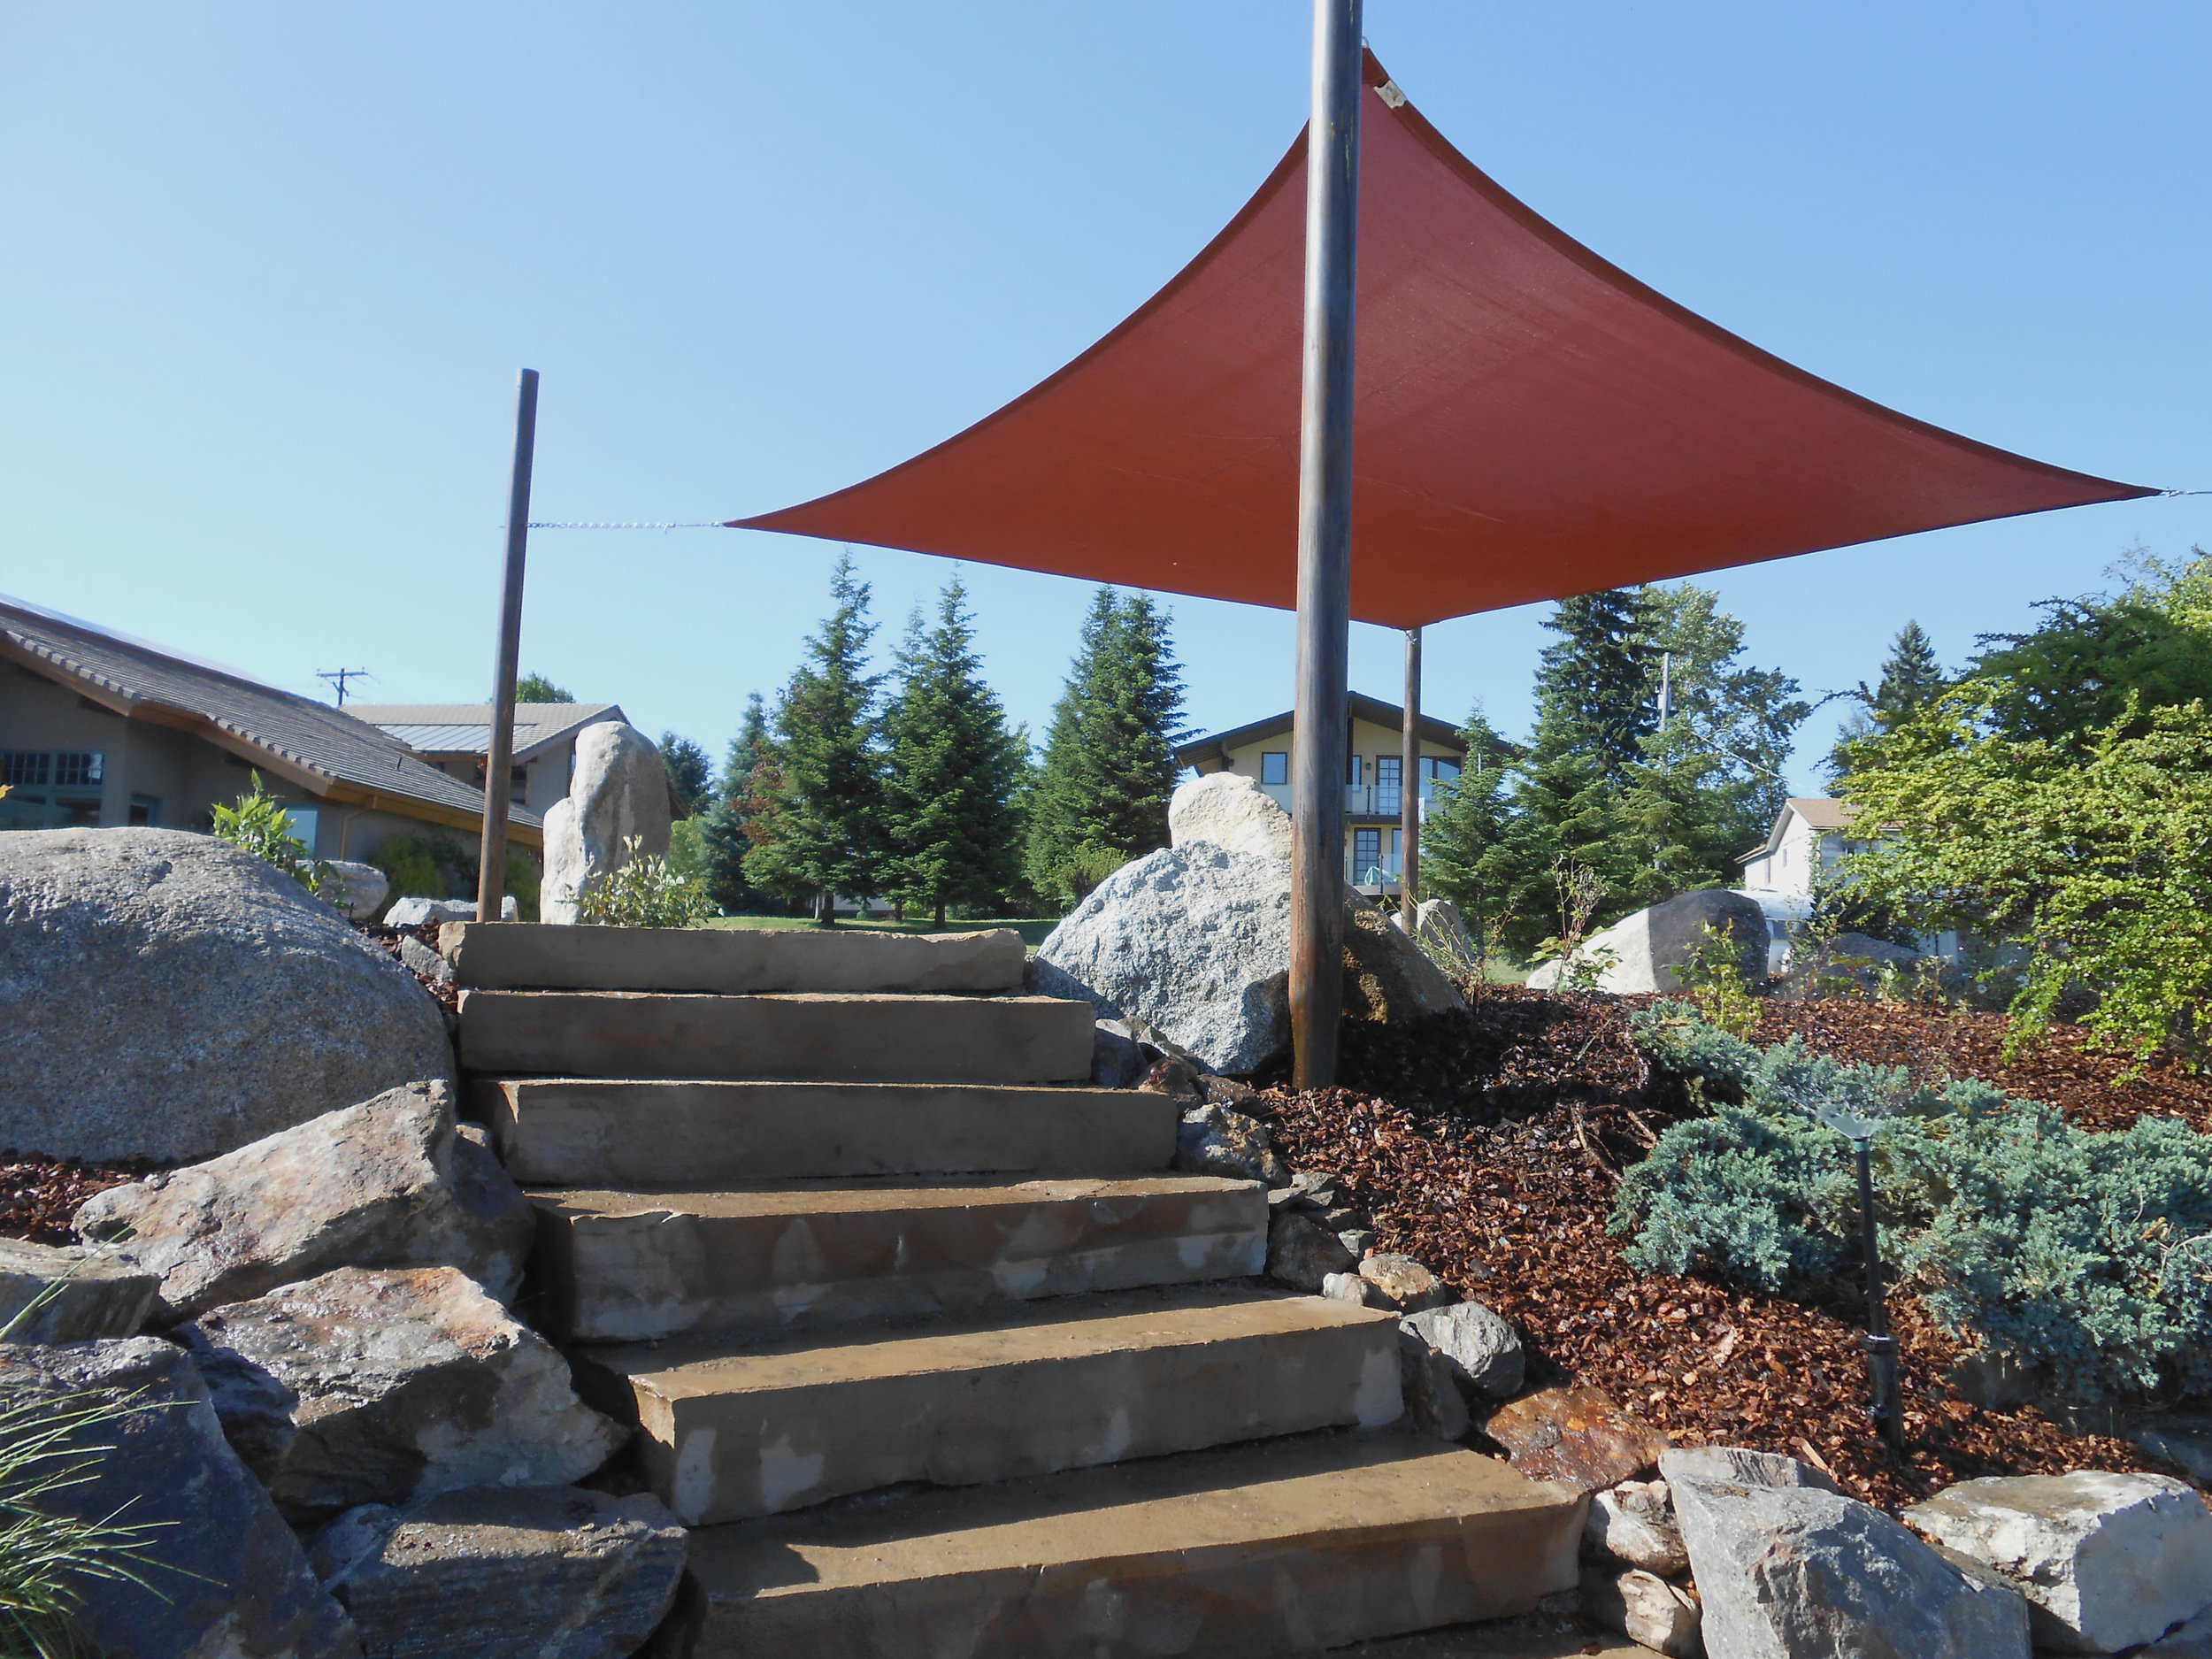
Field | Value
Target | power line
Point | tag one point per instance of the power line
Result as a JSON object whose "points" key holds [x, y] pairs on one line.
{"points": [[339, 676]]}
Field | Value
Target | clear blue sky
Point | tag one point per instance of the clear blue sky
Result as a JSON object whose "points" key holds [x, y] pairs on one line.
{"points": [[268, 273]]}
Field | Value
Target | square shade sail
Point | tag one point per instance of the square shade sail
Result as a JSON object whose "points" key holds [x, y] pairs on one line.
{"points": [[1529, 422]]}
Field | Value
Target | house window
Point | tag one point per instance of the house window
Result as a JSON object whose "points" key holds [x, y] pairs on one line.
{"points": [[303, 822], [1432, 768], [51, 789], [1388, 771], [145, 812], [1275, 767], [1352, 776], [1366, 857]]}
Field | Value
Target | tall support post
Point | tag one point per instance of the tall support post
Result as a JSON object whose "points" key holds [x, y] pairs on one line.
{"points": [[1410, 785], [1318, 745], [491, 866]]}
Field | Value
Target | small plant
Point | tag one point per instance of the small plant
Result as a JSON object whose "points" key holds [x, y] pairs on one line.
{"points": [[1580, 893], [1719, 983], [259, 823], [1089, 865], [643, 892]]}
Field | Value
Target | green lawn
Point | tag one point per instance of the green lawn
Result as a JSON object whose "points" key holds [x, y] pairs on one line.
{"points": [[1032, 928]]}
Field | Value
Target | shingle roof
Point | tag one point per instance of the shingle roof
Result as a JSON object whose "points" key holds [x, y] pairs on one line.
{"points": [[465, 728], [1374, 711], [1823, 812], [325, 749]]}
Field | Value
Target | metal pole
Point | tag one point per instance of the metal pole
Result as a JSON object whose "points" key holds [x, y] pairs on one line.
{"points": [[1409, 785], [491, 867], [1324, 549], [1888, 1411]]}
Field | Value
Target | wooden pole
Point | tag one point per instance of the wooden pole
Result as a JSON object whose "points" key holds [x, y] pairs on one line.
{"points": [[1410, 785], [1318, 746], [491, 866]]}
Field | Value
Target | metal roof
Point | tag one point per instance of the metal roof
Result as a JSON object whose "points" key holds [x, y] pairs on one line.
{"points": [[1374, 711], [465, 728], [325, 750]]}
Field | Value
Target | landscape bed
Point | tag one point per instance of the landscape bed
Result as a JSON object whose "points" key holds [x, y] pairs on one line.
{"points": [[1492, 1149]]}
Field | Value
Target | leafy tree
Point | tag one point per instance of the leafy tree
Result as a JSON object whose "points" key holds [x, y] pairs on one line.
{"points": [[1745, 718], [687, 769], [954, 769], [1110, 756], [722, 838], [815, 812], [538, 688]]}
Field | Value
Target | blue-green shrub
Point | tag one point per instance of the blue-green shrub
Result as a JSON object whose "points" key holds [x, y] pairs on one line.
{"points": [[2088, 1255]]}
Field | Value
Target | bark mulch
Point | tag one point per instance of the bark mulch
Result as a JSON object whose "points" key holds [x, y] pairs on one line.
{"points": [[1490, 1148], [38, 1195], [443, 992]]}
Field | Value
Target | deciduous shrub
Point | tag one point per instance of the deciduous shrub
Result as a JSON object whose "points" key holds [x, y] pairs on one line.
{"points": [[643, 892]]}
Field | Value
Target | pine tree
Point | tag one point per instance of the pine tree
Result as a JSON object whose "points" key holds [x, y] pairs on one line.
{"points": [[1596, 689], [817, 805], [953, 770], [1910, 677], [1110, 756], [722, 826], [687, 769], [1464, 832]]}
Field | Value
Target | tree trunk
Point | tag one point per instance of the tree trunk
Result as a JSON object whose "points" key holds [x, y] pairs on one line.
{"points": [[940, 917]]}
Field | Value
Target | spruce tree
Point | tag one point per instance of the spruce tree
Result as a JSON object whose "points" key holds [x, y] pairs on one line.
{"points": [[953, 770], [1597, 687], [687, 769], [1910, 679], [722, 828], [1464, 832], [817, 808]]}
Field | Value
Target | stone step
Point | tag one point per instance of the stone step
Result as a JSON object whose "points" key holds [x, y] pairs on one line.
{"points": [[800, 1038], [560, 1131], [519, 955], [1281, 1547], [731, 1432], [784, 1256]]}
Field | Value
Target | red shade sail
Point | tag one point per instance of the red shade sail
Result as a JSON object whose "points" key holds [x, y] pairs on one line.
{"points": [[1530, 422]]}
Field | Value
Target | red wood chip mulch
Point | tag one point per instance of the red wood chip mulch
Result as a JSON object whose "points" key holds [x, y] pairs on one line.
{"points": [[38, 1195], [1490, 1148]]}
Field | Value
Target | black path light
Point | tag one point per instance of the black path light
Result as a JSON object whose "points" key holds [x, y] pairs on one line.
{"points": [[1887, 1408]]}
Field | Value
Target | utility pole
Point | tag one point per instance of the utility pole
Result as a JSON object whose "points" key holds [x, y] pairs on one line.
{"points": [[1409, 787], [491, 880], [1319, 747], [338, 678]]}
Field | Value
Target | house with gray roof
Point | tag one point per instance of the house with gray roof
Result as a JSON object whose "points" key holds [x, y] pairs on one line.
{"points": [[98, 729], [456, 737]]}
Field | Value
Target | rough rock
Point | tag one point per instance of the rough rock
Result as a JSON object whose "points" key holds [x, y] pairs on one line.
{"points": [[417, 958], [1650, 945], [1634, 1524], [364, 886], [2182, 1440], [378, 1385], [1386, 976], [82, 1294], [1171, 1075], [392, 1182], [1312, 1189], [225, 992], [1479, 1346], [1226, 1091], [1351, 1287], [1214, 1141], [1231, 810], [1439, 929], [1856, 959], [1574, 1434], [2193, 1640], [1301, 1253], [1358, 1241], [413, 913], [1117, 1059], [1788, 1568], [519, 1572], [619, 790], [228, 1578], [2106, 1561], [1194, 940], [1434, 1402], [1644, 1607], [1410, 1287]]}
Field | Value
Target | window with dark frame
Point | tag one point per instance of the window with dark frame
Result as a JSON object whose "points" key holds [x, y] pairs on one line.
{"points": [[1275, 767]]}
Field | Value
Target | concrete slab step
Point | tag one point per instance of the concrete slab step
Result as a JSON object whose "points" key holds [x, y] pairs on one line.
{"points": [[558, 1131], [1282, 1546], [785, 1256], [521, 955], [801, 1038], [731, 1432]]}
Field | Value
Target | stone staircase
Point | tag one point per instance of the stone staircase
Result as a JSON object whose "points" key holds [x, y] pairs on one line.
{"points": [[924, 1336]]}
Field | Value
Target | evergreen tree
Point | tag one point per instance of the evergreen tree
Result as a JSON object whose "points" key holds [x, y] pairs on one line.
{"points": [[1463, 834], [815, 812], [687, 769], [1910, 677], [953, 772], [1110, 756], [1597, 687], [538, 688], [722, 828]]}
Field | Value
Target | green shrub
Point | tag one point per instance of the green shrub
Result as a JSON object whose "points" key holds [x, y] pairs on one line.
{"points": [[407, 865], [2086, 1255], [258, 823], [643, 892]]}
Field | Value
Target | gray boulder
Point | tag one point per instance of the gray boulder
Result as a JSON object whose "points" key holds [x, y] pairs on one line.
{"points": [[228, 1580], [166, 996], [1434, 1404], [1650, 945], [70, 1294], [1303, 1254], [2193, 1640], [1438, 928], [363, 886], [372, 1386], [1118, 1060], [1643, 1607], [521, 1573], [1410, 1287], [392, 1182], [413, 913], [1231, 810], [619, 790], [2106, 1561], [1480, 1347], [1387, 977], [1788, 1568], [1634, 1524], [1214, 1141]]}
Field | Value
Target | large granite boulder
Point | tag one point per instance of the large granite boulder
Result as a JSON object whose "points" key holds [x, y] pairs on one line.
{"points": [[392, 1182], [1387, 977], [517, 1573], [1647, 946], [1789, 1568], [227, 1579], [619, 789], [2106, 1561], [1229, 810], [166, 996], [373, 1386], [71, 1294]]}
